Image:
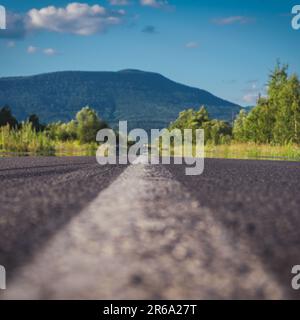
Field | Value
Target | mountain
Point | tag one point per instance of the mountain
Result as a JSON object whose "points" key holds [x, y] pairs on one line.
{"points": [[248, 108], [145, 99]]}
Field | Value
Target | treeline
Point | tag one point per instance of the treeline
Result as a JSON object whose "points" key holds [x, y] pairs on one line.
{"points": [[32, 136], [274, 120], [83, 128], [216, 131]]}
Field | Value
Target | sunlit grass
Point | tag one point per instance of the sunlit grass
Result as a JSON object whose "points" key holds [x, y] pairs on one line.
{"points": [[253, 151], [27, 141], [244, 151]]}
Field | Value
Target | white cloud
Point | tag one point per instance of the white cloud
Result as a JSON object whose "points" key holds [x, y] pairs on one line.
{"points": [[251, 98], [46, 51], [154, 3], [118, 2], [192, 45], [75, 18], [32, 49], [253, 91], [233, 20], [253, 94], [50, 52]]}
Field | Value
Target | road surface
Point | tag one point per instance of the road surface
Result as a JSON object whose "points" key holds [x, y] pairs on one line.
{"points": [[70, 228]]}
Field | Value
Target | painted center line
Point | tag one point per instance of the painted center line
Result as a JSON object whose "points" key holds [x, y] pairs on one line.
{"points": [[144, 237]]}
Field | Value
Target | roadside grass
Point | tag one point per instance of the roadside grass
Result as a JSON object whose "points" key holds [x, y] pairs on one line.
{"points": [[74, 148], [236, 150], [27, 141], [253, 151]]}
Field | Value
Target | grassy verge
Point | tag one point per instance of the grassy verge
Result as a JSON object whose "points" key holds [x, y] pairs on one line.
{"points": [[246, 151], [75, 148], [253, 151], [27, 141]]}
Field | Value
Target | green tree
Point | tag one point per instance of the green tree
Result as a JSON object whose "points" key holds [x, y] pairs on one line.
{"points": [[35, 122], [239, 127], [200, 117], [6, 118], [62, 131], [88, 124], [220, 131], [184, 120], [276, 118], [215, 131], [287, 113]]}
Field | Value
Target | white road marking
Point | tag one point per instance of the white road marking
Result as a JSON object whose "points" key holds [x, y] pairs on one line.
{"points": [[144, 237], [142, 159]]}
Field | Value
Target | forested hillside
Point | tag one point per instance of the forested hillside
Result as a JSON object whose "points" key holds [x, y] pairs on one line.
{"points": [[146, 100]]}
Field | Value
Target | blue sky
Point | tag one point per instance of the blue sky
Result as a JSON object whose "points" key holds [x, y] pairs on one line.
{"points": [[226, 47]]}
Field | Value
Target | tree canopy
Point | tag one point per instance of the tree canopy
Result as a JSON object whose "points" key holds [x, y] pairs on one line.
{"points": [[6, 117], [276, 118], [88, 124], [215, 131]]}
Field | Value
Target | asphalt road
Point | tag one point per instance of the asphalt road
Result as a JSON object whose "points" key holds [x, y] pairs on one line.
{"points": [[70, 228], [39, 196]]}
